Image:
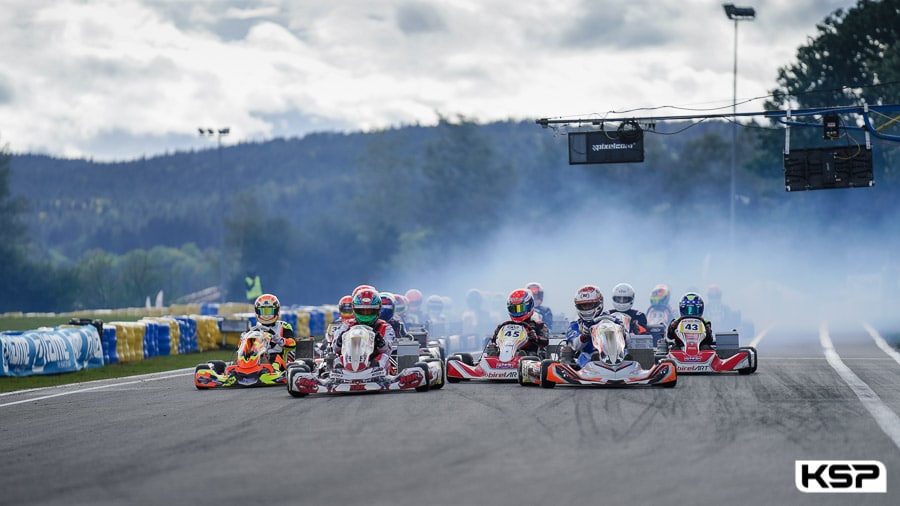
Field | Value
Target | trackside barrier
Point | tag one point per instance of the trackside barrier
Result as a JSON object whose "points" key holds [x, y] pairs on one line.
{"points": [[50, 350]]}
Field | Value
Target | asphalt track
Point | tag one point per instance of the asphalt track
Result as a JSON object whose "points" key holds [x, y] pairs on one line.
{"points": [[711, 439]]}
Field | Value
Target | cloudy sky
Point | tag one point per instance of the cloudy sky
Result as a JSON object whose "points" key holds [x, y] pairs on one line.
{"points": [[121, 79]]}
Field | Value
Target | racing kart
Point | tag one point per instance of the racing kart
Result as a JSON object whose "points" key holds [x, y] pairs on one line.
{"points": [[608, 365], [690, 357], [503, 366], [250, 367], [357, 370]]}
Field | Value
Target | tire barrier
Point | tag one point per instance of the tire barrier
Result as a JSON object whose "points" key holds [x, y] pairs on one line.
{"points": [[50, 350], [198, 328]]}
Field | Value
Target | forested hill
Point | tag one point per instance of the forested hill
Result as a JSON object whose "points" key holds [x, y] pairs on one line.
{"points": [[330, 210]]}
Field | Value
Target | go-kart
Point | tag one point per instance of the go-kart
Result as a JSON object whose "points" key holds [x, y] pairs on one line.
{"points": [[689, 357], [608, 365], [357, 369], [502, 366], [250, 367]]}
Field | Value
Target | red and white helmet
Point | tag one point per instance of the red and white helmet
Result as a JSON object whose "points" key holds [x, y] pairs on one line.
{"points": [[345, 307], [588, 302], [520, 305]]}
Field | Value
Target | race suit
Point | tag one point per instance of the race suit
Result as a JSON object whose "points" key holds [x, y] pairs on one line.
{"points": [[384, 340], [638, 321], [282, 336], [579, 337], [546, 315], [538, 334], [708, 342]]}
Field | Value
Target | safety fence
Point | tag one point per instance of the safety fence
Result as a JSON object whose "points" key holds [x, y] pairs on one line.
{"points": [[101, 339]]}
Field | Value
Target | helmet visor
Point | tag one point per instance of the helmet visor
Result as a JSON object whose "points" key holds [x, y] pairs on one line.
{"points": [[367, 311], [692, 310], [266, 311], [517, 309], [587, 306], [622, 299]]}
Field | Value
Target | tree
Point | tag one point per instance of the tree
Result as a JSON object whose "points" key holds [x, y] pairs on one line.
{"points": [[854, 57]]}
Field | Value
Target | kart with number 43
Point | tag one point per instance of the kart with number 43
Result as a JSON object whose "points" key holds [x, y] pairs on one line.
{"points": [[689, 357]]}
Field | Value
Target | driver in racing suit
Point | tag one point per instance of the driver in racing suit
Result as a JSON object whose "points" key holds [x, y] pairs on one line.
{"points": [[691, 306], [366, 309], [520, 305], [268, 309], [589, 306]]}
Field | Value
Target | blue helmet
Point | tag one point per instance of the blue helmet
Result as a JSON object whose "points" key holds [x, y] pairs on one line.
{"points": [[691, 305], [387, 306]]}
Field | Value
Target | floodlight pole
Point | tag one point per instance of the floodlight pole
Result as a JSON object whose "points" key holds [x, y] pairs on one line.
{"points": [[736, 14], [219, 133]]}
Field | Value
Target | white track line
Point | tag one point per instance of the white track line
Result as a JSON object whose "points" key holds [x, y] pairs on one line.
{"points": [[881, 343], [89, 389], [884, 417]]}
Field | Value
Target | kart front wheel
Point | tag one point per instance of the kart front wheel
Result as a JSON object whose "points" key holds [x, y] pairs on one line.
{"points": [[521, 370], [545, 368], [427, 371], [291, 371], [439, 384]]}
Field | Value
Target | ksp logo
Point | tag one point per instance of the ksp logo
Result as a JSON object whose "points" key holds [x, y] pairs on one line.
{"points": [[840, 476]]}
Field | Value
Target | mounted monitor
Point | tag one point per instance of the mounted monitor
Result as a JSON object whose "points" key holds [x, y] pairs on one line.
{"points": [[617, 146], [828, 168]]}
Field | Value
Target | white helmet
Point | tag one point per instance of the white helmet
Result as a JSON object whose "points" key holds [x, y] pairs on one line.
{"points": [[588, 302], [623, 297]]}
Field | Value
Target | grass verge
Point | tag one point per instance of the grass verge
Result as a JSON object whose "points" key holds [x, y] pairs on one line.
{"points": [[150, 365]]}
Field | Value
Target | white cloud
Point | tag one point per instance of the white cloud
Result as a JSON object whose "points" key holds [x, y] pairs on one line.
{"points": [[76, 72]]}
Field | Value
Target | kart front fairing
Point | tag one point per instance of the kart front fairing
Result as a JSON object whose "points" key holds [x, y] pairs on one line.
{"points": [[509, 339], [250, 366]]}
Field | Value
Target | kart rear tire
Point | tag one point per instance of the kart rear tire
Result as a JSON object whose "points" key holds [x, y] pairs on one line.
{"points": [[440, 384], [752, 369], [427, 371], [218, 366], [545, 368]]}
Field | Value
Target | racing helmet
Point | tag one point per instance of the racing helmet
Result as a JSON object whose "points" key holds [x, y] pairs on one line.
{"points": [[537, 291], [660, 295], [387, 306], [623, 297], [413, 299], [345, 307], [474, 299], [362, 287], [267, 308], [434, 304], [588, 302], [366, 305], [691, 305], [399, 305], [520, 305]]}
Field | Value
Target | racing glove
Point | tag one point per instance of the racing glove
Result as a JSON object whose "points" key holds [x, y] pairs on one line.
{"points": [[379, 343]]}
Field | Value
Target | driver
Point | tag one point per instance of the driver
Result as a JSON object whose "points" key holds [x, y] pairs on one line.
{"points": [[366, 309], [691, 306], [589, 306], [520, 306], [281, 333]]}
